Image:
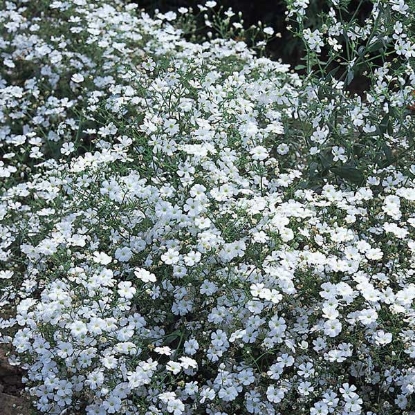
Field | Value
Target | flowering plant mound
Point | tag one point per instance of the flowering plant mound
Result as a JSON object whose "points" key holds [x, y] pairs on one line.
{"points": [[188, 228]]}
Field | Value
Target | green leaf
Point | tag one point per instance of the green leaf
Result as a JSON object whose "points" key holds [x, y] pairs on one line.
{"points": [[375, 46], [313, 170], [326, 160], [384, 125], [388, 153], [331, 74], [390, 159], [349, 77], [350, 174], [170, 338]]}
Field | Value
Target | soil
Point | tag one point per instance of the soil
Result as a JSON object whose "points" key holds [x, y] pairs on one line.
{"points": [[12, 398]]}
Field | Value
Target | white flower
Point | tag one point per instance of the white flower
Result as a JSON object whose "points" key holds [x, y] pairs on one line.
{"points": [[286, 234], [77, 78], [9, 63], [187, 362], [330, 312], [367, 316], [112, 404], [313, 39], [165, 350], [192, 258], [171, 126], [381, 338], [175, 406], [320, 135], [6, 275], [410, 350], [257, 289], [259, 153], [126, 290], [208, 287], [283, 149], [172, 256], [228, 394], [400, 6], [353, 404], [78, 328], [101, 258], [276, 370], [191, 346], [144, 275], [304, 388], [207, 393], [246, 377], [275, 395], [67, 148], [332, 328], [338, 153], [314, 150], [191, 388], [167, 396], [306, 370], [395, 229], [174, 367], [170, 16], [347, 391], [374, 254], [123, 254]]}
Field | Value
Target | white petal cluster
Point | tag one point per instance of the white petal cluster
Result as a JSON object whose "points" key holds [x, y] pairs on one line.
{"points": [[168, 243]]}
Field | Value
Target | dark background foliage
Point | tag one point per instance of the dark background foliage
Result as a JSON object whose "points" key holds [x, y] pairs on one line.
{"points": [[269, 12], [272, 13]]}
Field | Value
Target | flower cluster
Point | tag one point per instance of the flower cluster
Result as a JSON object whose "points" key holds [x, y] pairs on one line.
{"points": [[185, 230]]}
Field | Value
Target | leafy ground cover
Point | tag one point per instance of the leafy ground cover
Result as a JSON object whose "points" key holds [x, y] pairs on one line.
{"points": [[188, 227]]}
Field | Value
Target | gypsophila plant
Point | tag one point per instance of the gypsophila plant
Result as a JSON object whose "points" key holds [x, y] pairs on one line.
{"points": [[189, 228], [350, 136]]}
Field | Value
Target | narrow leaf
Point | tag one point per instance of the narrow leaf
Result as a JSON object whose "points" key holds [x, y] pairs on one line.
{"points": [[350, 174]]}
